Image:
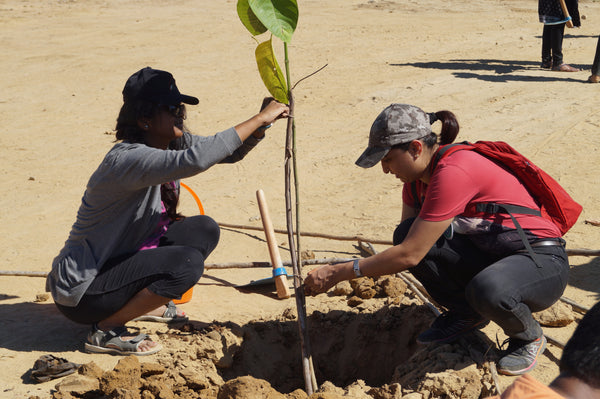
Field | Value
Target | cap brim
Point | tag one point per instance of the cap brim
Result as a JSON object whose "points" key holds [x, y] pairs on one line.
{"points": [[189, 100], [371, 156]]}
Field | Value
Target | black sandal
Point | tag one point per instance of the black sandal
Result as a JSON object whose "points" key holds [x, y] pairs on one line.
{"points": [[49, 367]]}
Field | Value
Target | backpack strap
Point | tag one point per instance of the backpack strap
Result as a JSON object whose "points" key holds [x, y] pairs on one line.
{"points": [[491, 207], [415, 194], [446, 150]]}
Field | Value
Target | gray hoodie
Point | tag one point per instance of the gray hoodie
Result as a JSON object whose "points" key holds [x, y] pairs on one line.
{"points": [[121, 205]]}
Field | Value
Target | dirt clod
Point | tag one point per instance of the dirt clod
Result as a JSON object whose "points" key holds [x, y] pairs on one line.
{"points": [[364, 287], [558, 315]]}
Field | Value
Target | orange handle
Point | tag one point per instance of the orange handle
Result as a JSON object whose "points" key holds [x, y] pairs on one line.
{"points": [[200, 207]]}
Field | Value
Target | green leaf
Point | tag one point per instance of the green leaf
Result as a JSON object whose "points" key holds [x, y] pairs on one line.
{"points": [[249, 19], [279, 16], [270, 72]]}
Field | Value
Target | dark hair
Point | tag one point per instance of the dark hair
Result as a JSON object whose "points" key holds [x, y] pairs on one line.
{"points": [[127, 129], [448, 133], [581, 355], [131, 112], [450, 127], [170, 198]]}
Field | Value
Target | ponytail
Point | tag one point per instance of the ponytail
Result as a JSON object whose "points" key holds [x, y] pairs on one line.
{"points": [[447, 135], [170, 198], [450, 126]]}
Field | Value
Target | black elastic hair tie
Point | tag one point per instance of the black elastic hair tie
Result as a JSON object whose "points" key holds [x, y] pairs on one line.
{"points": [[432, 118]]}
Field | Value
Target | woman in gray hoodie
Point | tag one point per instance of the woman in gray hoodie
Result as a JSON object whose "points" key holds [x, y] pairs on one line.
{"points": [[129, 252]]}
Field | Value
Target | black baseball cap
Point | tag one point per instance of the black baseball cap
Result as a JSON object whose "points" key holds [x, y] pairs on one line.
{"points": [[155, 86]]}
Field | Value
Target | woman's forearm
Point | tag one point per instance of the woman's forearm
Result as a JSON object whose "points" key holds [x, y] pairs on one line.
{"points": [[273, 111], [392, 260]]}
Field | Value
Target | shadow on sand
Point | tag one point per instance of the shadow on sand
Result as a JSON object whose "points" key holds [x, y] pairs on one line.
{"points": [[503, 70]]}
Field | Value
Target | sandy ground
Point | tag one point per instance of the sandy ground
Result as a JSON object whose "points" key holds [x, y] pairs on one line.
{"points": [[65, 62]]}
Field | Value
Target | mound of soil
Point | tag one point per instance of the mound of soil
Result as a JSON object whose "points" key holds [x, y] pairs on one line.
{"points": [[362, 345]]}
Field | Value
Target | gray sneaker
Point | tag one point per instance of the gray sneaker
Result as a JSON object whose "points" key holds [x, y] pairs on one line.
{"points": [[521, 356]]}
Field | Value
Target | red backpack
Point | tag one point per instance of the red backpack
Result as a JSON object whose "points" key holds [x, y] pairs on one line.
{"points": [[555, 203]]}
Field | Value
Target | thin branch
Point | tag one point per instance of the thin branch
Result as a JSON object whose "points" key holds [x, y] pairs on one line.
{"points": [[418, 293], [308, 234], [207, 266], [583, 252], [579, 308], [310, 383], [23, 273], [570, 251], [308, 76], [555, 342], [494, 372]]}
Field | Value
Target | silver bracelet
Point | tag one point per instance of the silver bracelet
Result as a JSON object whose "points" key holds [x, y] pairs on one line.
{"points": [[357, 272]]}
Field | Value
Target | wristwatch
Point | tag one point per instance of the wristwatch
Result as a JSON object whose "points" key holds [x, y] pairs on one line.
{"points": [[357, 272]]}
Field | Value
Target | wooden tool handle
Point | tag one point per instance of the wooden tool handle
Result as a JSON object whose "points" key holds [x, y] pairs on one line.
{"points": [[565, 11], [283, 290], [268, 227]]}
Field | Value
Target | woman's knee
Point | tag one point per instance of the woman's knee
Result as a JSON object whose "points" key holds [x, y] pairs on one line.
{"points": [[210, 231], [200, 232], [209, 225], [190, 262], [488, 296], [183, 273]]}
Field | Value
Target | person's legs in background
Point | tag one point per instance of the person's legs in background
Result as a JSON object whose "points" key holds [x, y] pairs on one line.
{"points": [[595, 76], [556, 34], [546, 48]]}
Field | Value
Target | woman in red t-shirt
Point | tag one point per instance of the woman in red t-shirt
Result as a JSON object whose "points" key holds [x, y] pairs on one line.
{"points": [[474, 264]]}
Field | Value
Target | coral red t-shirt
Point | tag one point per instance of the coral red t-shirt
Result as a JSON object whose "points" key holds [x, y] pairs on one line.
{"points": [[466, 178]]}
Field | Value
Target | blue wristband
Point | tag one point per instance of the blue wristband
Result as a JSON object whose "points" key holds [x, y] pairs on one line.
{"points": [[263, 128]]}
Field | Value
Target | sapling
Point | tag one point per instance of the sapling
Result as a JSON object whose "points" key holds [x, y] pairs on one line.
{"points": [[279, 18]]}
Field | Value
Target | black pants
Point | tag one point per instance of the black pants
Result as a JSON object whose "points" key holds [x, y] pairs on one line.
{"points": [[596, 64], [552, 40], [464, 279], [169, 270]]}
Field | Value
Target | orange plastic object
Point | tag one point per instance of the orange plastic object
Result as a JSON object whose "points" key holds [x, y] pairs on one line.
{"points": [[200, 207], [187, 296]]}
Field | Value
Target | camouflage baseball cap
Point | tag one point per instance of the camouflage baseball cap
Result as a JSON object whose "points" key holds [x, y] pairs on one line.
{"points": [[397, 124]]}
